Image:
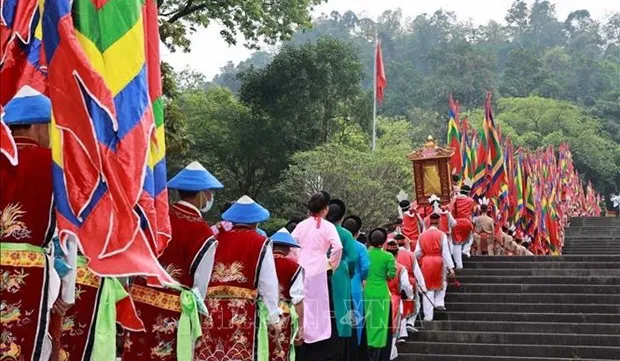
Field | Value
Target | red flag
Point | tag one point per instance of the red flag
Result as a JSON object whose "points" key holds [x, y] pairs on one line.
{"points": [[381, 81]]}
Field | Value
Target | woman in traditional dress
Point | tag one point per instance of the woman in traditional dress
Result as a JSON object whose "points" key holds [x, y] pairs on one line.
{"points": [[377, 297]]}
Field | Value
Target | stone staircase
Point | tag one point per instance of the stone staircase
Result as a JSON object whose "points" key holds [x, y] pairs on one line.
{"points": [[532, 308]]}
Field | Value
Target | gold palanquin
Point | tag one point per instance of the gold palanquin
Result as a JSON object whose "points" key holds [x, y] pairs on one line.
{"points": [[431, 172]]}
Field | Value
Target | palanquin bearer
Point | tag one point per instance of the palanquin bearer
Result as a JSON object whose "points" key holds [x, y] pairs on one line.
{"points": [[411, 307], [284, 335], [171, 316], [435, 261], [400, 290], [29, 284], [243, 296], [463, 207], [413, 224], [446, 221]]}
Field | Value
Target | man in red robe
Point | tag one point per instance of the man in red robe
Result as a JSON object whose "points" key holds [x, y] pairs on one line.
{"points": [[462, 234], [446, 220], [411, 307], [243, 295], [189, 260], [413, 224], [284, 335], [400, 291], [29, 283], [435, 261]]}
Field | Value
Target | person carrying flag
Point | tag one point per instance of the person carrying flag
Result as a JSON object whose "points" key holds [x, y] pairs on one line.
{"points": [[284, 336], [30, 287], [243, 293], [170, 316]]}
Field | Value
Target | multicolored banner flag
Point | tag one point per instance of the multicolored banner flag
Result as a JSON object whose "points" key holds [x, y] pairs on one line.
{"points": [[495, 160], [103, 130], [454, 137]]}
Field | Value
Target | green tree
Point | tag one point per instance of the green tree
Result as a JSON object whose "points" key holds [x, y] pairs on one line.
{"points": [[367, 181], [255, 20], [311, 86], [523, 74]]}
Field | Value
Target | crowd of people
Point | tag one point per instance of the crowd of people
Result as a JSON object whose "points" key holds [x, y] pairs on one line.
{"points": [[318, 289]]}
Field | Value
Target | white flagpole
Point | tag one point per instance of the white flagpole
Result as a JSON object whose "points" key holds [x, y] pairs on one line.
{"points": [[374, 102]]}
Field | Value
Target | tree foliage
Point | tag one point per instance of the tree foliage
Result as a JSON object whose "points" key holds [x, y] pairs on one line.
{"points": [[255, 20]]}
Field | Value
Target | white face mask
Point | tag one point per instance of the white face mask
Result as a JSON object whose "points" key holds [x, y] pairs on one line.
{"points": [[208, 204]]}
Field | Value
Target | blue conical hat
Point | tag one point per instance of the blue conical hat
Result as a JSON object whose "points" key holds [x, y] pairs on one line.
{"points": [[284, 237], [195, 178], [246, 211], [28, 107]]}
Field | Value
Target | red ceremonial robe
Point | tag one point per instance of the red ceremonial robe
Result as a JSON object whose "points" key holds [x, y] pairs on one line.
{"points": [[407, 259], [412, 227], [229, 332], [394, 287], [280, 334], [26, 271], [160, 309], [78, 327], [431, 262], [443, 224], [462, 211]]}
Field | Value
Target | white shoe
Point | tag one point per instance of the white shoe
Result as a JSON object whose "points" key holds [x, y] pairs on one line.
{"points": [[401, 340], [412, 329], [466, 254], [440, 308]]}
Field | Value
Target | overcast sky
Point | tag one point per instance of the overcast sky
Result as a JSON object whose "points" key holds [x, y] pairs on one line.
{"points": [[210, 51]]}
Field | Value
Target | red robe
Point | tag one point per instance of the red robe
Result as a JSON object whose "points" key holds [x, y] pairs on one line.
{"points": [[394, 287], [462, 211], [407, 259], [431, 262], [280, 335], [230, 329], [78, 327], [160, 309], [27, 219], [443, 226], [412, 227]]}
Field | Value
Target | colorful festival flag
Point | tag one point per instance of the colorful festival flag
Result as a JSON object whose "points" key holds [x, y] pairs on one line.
{"points": [[495, 159], [454, 137], [103, 125]]}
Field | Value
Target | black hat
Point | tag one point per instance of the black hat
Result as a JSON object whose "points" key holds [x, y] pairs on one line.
{"points": [[465, 189], [404, 205], [434, 216]]}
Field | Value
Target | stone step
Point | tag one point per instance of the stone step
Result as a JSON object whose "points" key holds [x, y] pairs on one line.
{"points": [[524, 327], [535, 288], [548, 265], [589, 240], [567, 351], [575, 280], [527, 317], [591, 251], [595, 222], [532, 298], [568, 258], [426, 357], [534, 307], [569, 272], [517, 338]]}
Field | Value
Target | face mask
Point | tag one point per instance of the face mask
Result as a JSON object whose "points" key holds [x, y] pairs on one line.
{"points": [[208, 204]]}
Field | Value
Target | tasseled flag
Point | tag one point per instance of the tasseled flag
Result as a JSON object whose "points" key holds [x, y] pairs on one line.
{"points": [[495, 159]]}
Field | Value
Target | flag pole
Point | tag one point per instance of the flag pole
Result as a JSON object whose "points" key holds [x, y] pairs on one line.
{"points": [[374, 102]]}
